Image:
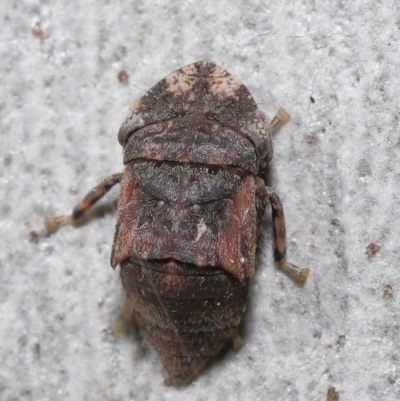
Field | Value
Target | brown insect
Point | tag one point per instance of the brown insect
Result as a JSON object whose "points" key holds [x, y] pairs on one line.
{"points": [[190, 211]]}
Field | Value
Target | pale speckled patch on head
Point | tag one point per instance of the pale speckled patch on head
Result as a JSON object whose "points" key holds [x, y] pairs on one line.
{"points": [[179, 82], [136, 105], [255, 124], [222, 83], [192, 69], [225, 86], [201, 91]]}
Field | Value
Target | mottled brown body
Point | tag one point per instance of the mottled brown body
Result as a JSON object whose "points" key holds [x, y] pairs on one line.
{"points": [[188, 314], [186, 270], [190, 211]]}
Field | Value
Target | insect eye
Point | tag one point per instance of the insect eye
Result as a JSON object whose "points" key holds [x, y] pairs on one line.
{"points": [[124, 135]]}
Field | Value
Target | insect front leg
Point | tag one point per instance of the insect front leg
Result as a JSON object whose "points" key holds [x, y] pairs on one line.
{"points": [[280, 118], [278, 223], [54, 223]]}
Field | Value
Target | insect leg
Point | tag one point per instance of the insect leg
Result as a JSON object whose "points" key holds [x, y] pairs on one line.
{"points": [[280, 118], [126, 318], [53, 224], [237, 340], [278, 223]]}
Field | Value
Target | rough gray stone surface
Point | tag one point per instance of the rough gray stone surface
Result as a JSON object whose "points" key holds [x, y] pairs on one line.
{"points": [[334, 66]]}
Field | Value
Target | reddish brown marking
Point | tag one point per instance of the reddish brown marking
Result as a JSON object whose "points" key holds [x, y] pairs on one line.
{"points": [[372, 249], [123, 77], [388, 292], [233, 249], [332, 394], [33, 237], [37, 31]]}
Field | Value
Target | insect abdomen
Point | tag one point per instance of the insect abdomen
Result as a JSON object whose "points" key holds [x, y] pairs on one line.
{"points": [[187, 313]]}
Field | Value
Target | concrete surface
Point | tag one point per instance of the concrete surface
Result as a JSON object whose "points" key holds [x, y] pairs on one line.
{"points": [[333, 65]]}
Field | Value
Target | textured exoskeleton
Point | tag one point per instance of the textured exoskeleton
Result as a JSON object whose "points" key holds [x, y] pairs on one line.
{"points": [[190, 211]]}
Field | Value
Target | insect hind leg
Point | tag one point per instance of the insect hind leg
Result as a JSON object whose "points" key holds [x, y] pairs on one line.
{"points": [[125, 319], [278, 223]]}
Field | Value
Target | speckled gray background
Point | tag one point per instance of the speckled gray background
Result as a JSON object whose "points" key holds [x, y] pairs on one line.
{"points": [[333, 65]]}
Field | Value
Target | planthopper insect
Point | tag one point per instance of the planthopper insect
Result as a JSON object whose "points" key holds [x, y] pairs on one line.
{"points": [[196, 149]]}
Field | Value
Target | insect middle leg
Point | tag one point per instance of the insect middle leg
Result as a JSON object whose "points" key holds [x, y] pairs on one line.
{"points": [[54, 223], [278, 223]]}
